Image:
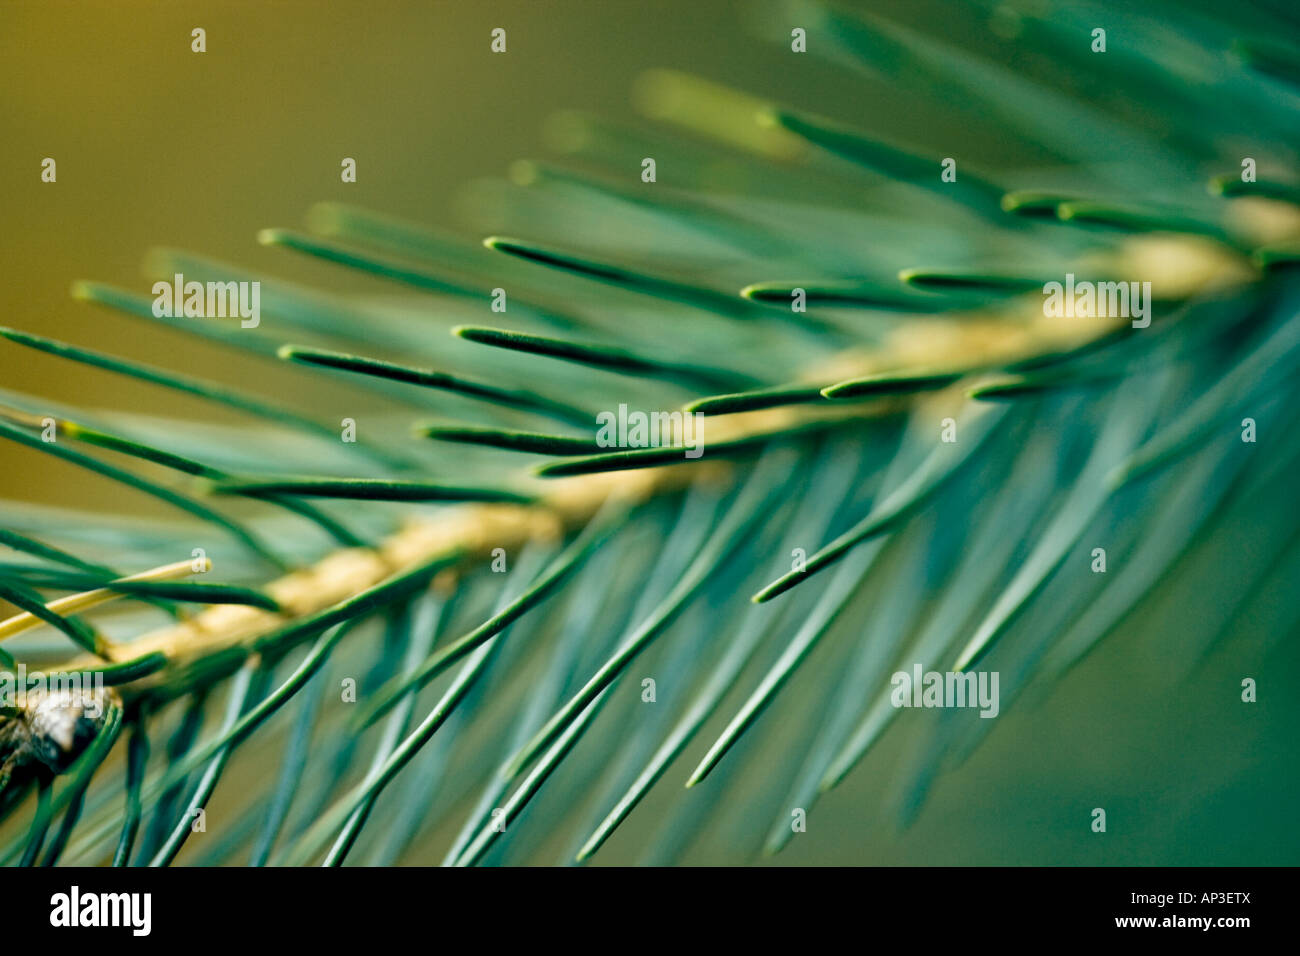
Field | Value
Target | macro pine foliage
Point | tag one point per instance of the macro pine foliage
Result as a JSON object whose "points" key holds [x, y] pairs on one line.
{"points": [[477, 635]]}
